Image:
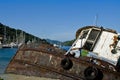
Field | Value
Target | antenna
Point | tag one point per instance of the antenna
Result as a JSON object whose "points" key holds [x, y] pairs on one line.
{"points": [[96, 20]]}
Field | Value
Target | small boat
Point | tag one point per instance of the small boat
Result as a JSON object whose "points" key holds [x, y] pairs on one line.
{"points": [[6, 46], [11, 45], [95, 55]]}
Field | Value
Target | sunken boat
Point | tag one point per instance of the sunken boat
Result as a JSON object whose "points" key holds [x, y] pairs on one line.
{"points": [[95, 55]]}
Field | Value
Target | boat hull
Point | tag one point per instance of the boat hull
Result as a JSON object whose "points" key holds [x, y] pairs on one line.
{"points": [[47, 63]]}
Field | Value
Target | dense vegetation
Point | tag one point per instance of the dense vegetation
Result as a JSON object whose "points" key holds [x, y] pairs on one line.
{"points": [[68, 43], [54, 42], [11, 35]]}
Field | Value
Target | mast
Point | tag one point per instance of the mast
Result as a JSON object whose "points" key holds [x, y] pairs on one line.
{"points": [[16, 37], [96, 20], [4, 40]]}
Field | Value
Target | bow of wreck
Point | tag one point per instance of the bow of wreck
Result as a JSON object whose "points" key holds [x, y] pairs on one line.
{"points": [[95, 55]]}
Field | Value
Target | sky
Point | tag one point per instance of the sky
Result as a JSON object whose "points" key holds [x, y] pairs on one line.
{"points": [[59, 19]]}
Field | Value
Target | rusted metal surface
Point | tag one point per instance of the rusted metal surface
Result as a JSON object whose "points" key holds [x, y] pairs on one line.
{"points": [[45, 61]]}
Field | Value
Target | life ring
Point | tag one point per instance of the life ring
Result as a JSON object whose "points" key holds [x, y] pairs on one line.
{"points": [[93, 73], [66, 63]]}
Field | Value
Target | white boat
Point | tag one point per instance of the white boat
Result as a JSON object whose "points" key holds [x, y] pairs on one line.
{"points": [[97, 42], [93, 56]]}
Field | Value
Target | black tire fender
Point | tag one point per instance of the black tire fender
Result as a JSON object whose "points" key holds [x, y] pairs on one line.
{"points": [[93, 73], [66, 63]]}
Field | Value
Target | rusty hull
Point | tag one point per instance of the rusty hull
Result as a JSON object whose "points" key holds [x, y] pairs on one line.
{"points": [[45, 62]]}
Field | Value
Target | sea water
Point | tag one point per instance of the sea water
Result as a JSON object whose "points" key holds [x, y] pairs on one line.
{"points": [[66, 48], [6, 55]]}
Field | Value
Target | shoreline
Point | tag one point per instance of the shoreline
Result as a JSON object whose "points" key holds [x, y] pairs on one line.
{"points": [[22, 77]]}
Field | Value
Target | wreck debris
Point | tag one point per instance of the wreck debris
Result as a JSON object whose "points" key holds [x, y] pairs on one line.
{"points": [[89, 58]]}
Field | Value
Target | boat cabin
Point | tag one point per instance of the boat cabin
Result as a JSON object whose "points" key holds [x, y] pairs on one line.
{"points": [[97, 42]]}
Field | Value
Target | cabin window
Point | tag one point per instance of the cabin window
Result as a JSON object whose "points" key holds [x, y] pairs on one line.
{"points": [[93, 35], [118, 37], [91, 40], [84, 34]]}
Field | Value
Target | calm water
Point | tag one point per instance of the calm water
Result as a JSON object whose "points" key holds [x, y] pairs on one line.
{"points": [[6, 55], [66, 48]]}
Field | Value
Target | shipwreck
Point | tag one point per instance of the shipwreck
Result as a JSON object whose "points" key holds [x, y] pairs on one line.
{"points": [[95, 55]]}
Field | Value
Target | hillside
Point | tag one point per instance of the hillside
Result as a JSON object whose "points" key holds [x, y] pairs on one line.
{"points": [[65, 43], [68, 43], [53, 41], [9, 34]]}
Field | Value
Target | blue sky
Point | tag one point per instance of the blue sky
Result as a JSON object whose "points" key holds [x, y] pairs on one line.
{"points": [[59, 19]]}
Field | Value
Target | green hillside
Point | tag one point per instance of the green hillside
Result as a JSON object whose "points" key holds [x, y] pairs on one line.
{"points": [[9, 34], [68, 43]]}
